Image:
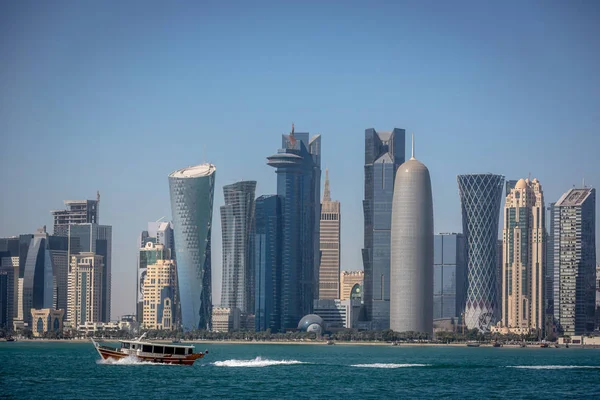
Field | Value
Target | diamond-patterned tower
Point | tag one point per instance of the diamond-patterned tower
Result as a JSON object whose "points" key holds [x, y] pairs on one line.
{"points": [[480, 197], [192, 190]]}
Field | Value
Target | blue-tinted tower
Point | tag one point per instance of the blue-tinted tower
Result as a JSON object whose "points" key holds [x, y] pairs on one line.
{"points": [[449, 275], [384, 153], [298, 165], [267, 260]]}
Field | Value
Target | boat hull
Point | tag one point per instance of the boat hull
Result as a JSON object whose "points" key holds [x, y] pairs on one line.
{"points": [[109, 353]]}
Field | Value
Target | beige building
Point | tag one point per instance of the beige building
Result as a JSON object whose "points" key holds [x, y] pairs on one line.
{"points": [[225, 319], [159, 295], [329, 270], [84, 295], [348, 281], [46, 320], [523, 249]]}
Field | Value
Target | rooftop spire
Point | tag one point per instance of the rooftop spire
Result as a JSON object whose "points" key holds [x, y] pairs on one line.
{"points": [[413, 147], [326, 192]]}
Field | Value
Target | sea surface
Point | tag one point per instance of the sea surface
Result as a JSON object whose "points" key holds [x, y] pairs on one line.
{"points": [[34, 370]]}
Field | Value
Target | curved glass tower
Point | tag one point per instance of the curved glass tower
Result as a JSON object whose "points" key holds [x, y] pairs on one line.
{"points": [[192, 190], [411, 255], [480, 197]]}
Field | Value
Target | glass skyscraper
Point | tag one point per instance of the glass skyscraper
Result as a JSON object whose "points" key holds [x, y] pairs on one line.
{"points": [[384, 153], [192, 191], [449, 275], [237, 225], [267, 256], [480, 197], [298, 166], [575, 261]]}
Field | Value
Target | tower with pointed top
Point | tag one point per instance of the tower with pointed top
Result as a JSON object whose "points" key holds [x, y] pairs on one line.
{"points": [[329, 270], [384, 152]]}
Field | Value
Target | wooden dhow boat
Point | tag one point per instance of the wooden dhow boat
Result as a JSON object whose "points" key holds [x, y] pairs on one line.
{"points": [[160, 353]]}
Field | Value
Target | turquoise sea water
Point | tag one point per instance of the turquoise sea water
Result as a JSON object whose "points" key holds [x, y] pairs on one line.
{"points": [[30, 370]]}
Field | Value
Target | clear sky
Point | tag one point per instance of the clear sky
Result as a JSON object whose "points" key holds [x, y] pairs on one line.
{"points": [[113, 96]]}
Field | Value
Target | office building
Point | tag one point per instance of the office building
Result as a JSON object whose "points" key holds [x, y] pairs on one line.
{"points": [[77, 212], [549, 291], [411, 273], [338, 314], [575, 261], [191, 192], [159, 233], [480, 197], [225, 319], [449, 275], [85, 289], [384, 152], [267, 261], [159, 295], [46, 320], [298, 168], [237, 228], [351, 285], [97, 239], [523, 307], [150, 254], [9, 280], [329, 271]]}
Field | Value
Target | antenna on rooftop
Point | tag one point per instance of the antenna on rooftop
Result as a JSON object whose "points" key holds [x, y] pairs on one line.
{"points": [[160, 219]]}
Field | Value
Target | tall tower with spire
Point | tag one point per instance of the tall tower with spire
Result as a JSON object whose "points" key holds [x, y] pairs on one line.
{"points": [[329, 270]]}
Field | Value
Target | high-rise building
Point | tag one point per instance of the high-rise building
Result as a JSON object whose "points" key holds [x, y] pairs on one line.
{"points": [[97, 239], [85, 289], [225, 319], [192, 191], [329, 271], [384, 152], [480, 197], [449, 275], [9, 280], [298, 166], [575, 261], [411, 270], [159, 295], [150, 254], [237, 228], [77, 212], [523, 308], [267, 261], [351, 285], [338, 314], [549, 291], [159, 233]]}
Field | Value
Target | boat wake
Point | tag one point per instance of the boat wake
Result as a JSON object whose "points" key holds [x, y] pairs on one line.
{"points": [[129, 360], [257, 362], [378, 365], [554, 366]]}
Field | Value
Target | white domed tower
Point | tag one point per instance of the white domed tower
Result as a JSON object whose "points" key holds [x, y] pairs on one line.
{"points": [[411, 278]]}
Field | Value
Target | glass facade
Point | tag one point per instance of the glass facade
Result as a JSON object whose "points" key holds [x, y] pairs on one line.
{"points": [[267, 253], [449, 275], [191, 192], [480, 196], [384, 152], [298, 166], [237, 226]]}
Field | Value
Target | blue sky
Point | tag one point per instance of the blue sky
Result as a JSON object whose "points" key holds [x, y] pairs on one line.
{"points": [[113, 96]]}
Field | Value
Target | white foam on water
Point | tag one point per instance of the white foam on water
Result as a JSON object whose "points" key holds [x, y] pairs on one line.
{"points": [[257, 362], [554, 366], [129, 360], [379, 365]]}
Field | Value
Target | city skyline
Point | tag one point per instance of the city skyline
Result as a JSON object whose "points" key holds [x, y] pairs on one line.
{"points": [[461, 103]]}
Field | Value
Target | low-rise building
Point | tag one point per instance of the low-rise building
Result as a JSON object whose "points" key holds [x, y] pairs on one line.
{"points": [[225, 319], [46, 320]]}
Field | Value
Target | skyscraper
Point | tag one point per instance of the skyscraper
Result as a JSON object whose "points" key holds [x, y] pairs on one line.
{"points": [[480, 197], [329, 271], [575, 260], [384, 152], [77, 212], [523, 308], [549, 291], [97, 239], [267, 255], [192, 191], [411, 271], [298, 166], [351, 285], [85, 289], [449, 275], [159, 295], [237, 227]]}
